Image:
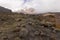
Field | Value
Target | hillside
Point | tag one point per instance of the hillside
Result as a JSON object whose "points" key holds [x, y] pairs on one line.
{"points": [[4, 10], [14, 26], [25, 27]]}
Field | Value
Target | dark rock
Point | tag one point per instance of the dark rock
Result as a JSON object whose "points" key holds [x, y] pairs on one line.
{"points": [[4, 10]]}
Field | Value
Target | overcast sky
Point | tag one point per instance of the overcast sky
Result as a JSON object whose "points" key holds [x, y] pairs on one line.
{"points": [[39, 5]]}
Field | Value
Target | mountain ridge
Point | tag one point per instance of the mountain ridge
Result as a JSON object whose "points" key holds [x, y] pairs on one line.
{"points": [[5, 10]]}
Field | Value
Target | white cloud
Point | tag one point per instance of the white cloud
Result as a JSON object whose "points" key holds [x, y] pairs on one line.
{"points": [[11, 4], [39, 5]]}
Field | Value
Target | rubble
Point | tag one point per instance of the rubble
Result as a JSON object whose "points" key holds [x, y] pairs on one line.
{"points": [[25, 27]]}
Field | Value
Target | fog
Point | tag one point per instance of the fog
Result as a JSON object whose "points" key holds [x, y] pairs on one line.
{"points": [[39, 5]]}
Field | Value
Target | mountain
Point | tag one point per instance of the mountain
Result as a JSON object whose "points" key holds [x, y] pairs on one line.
{"points": [[4, 10]]}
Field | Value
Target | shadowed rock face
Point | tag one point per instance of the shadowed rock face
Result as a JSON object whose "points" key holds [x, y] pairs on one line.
{"points": [[5, 10], [25, 27]]}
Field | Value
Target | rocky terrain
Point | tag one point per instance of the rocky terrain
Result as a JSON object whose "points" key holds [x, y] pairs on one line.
{"points": [[25, 27], [14, 26]]}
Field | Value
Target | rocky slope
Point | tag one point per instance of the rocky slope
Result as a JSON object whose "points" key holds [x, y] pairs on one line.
{"points": [[22, 26], [25, 27]]}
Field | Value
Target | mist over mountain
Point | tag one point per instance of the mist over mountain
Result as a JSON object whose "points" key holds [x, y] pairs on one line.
{"points": [[40, 6]]}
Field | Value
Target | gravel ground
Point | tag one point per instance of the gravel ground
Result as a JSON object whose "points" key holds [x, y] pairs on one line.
{"points": [[25, 27]]}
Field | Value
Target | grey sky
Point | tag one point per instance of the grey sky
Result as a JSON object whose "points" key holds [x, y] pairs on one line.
{"points": [[39, 5]]}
